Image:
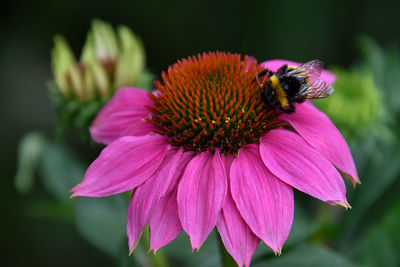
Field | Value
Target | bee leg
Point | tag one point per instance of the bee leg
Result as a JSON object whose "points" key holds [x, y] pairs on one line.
{"points": [[264, 97], [262, 73], [268, 98], [282, 70], [291, 108], [288, 109]]}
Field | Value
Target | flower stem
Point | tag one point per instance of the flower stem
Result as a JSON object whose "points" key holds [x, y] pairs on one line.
{"points": [[157, 259], [226, 258]]}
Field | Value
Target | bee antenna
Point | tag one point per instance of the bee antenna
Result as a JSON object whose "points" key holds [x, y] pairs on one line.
{"points": [[258, 81]]}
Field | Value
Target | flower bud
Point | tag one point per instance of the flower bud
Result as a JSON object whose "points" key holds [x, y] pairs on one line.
{"points": [[109, 60]]}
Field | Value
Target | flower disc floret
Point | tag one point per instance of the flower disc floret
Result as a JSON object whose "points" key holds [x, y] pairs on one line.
{"points": [[211, 101]]}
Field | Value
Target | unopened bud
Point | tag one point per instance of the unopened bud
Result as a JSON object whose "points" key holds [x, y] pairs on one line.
{"points": [[109, 60]]}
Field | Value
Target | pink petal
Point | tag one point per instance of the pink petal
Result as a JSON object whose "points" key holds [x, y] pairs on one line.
{"points": [[296, 163], [171, 174], [236, 235], [318, 130], [147, 195], [123, 165], [264, 202], [164, 222], [201, 194], [274, 64], [134, 227], [125, 114]]}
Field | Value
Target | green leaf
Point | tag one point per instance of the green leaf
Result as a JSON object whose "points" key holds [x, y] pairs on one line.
{"points": [[381, 171], [102, 221], [124, 260], [303, 226], [382, 244], [181, 253], [308, 256], [386, 67], [60, 170]]}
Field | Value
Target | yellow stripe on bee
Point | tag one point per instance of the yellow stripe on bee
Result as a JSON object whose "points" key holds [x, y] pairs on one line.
{"points": [[280, 93]]}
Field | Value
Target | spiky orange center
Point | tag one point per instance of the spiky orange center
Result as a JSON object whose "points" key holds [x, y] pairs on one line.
{"points": [[211, 101]]}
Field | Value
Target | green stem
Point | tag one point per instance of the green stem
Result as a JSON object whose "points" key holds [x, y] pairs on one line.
{"points": [[226, 258], [157, 259]]}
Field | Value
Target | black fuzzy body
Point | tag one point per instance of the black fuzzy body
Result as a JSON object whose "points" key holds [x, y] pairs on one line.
{"points": [[290, 84]]}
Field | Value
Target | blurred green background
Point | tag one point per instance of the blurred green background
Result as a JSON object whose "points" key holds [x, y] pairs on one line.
{"points": [[32, 234]]}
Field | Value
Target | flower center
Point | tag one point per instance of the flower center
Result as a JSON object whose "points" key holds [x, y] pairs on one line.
{"points": [[211, 101]]}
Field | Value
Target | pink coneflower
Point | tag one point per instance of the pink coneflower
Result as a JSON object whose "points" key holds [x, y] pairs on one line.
{"points": [[203, 151]]}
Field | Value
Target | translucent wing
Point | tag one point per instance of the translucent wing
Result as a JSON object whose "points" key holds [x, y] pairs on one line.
{"points": [[313, 68], [298, 73], [316, 89]]}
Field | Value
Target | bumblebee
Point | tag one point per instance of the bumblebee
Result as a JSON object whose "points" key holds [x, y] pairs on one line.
{"points": [[291, 84]]}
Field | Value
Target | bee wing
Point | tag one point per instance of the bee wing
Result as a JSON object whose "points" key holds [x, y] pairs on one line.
{"points": [[313, 68], [297, 72], [316, 89]]}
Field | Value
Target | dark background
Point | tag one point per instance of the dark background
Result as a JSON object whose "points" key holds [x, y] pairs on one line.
{"points": [[296, 30]]}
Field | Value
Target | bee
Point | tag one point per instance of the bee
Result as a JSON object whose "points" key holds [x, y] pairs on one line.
{"points": [[291, 84]]}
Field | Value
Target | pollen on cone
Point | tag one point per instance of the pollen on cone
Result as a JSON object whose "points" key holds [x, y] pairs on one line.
{"points": [[211, 100]]}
